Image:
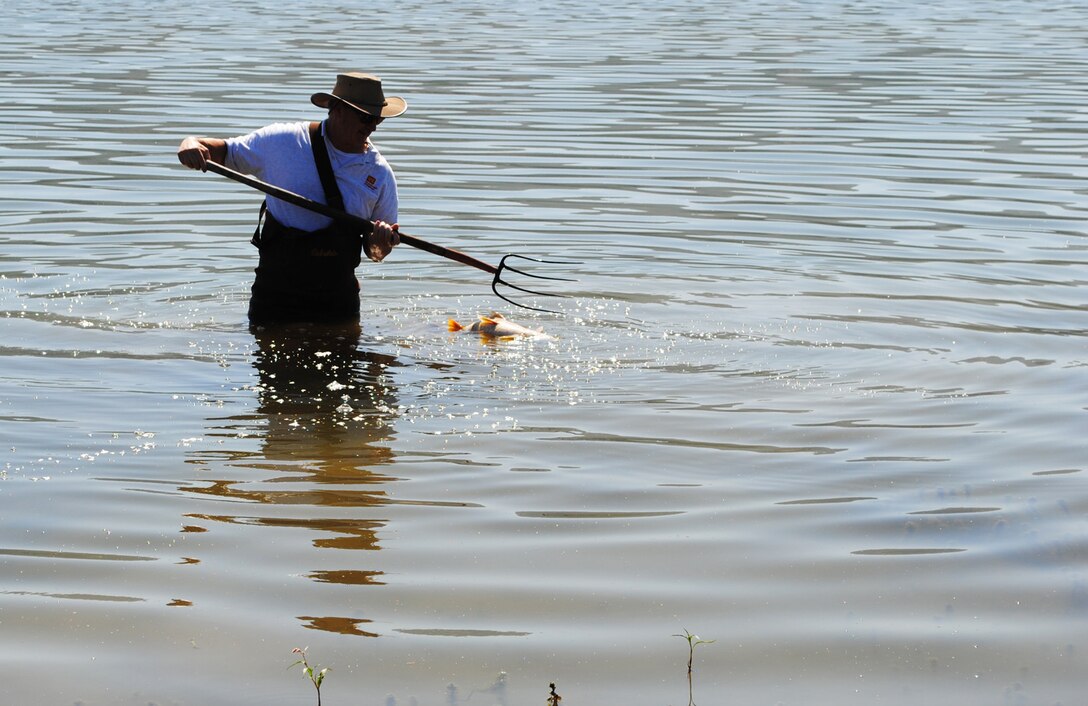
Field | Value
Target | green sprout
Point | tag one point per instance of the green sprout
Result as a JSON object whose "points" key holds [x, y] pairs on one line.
{"points": [[693, 642], [315, 677]]}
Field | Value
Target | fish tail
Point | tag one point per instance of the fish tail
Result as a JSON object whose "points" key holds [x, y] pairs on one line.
{"points": [[454, 326]]}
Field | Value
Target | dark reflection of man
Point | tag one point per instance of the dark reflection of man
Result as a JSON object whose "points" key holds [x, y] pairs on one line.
{"points": [[324, 396], [323, 416]]}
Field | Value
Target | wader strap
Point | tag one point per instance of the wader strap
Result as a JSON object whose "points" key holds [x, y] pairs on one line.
{"points": [[333, 197], [324, 168], [256, 239]]}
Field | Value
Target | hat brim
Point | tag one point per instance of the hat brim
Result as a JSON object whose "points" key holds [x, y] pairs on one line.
{"points": [[394, 105]]}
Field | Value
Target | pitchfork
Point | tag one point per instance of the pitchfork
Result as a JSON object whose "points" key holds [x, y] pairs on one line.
{"points": [[366, 227]]}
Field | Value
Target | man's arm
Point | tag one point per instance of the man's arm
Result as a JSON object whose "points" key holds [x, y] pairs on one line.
{"points": [[196, 152]]}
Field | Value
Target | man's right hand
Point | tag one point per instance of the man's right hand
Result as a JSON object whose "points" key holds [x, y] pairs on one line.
{"points": [[196, 152]]}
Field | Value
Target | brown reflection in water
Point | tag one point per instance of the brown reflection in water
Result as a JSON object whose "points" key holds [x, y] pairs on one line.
{"points": [[324, 498], [350, 578], [344, 626], [361, 534], [324, 406]]}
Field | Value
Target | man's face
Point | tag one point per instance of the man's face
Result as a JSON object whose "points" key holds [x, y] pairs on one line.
{"points": [[349, 129]]}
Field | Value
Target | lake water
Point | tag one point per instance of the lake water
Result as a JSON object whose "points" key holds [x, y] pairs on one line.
{"points": [[819, 393]]}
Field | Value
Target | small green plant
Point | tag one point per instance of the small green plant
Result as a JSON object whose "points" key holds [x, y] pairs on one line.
{"points": [[553, 698], [693, 642], [315, 677]]}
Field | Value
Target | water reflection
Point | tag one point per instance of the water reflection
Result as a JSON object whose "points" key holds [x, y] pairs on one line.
{"points": [[324, 398], [324, 406], [323, 420], [359, 534], [344, 626]]}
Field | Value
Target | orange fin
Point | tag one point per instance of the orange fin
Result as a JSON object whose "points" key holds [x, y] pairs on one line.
{"points": [[454, 326], [488, 320]]}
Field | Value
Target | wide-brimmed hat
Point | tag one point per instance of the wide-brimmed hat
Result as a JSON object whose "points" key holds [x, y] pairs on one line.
{"points": [[364, 93]]}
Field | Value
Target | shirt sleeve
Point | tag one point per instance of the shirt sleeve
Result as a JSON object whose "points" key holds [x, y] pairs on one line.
{"points": [[280, 154], [244, 153], [268, 151]]}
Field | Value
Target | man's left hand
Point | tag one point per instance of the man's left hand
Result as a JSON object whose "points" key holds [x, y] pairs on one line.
{"points": [[382, 240]]}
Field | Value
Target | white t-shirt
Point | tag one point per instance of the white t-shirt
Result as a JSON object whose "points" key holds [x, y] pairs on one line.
{"points": [[281, 154]]}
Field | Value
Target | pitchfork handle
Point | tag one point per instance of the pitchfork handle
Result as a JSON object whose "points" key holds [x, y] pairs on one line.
{"points": [[364, 225]]}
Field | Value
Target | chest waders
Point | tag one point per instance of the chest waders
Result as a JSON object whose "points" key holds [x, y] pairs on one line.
{"points": [[307, 275]]}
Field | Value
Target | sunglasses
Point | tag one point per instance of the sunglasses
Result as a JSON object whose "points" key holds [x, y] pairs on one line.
{"points": [[367, 119], [362, 117]]}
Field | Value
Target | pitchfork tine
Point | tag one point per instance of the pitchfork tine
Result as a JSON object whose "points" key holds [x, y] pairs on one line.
{"points": [[504, 266], [519, 304]]}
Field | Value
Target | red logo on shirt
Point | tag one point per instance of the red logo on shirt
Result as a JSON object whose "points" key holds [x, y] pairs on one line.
{"points": [[371, 182]]}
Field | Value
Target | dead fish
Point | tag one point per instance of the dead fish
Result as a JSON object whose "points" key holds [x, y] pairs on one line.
{"points": [[497, 326]]}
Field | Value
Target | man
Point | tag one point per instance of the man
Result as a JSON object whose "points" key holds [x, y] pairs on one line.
{"points": [[306, 270]]}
